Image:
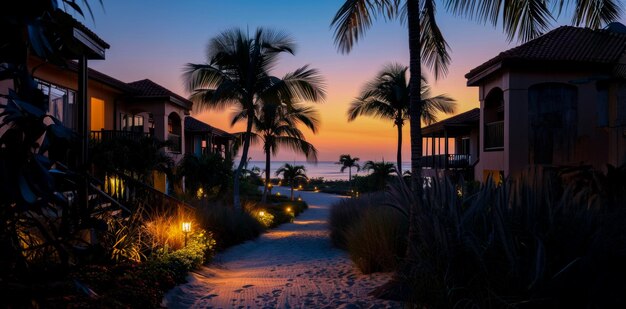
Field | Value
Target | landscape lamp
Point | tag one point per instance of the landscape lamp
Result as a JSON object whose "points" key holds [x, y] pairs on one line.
{"points": [[186, 230]]}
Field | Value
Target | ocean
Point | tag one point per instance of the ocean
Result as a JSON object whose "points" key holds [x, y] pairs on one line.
{"points": [[327, 169]]}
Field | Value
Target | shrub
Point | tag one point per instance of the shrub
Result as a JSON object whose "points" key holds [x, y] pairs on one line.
{"points": [[346, 213], [134, 285], [164, 228], [229, 226], [377, 241], [554, 239]]}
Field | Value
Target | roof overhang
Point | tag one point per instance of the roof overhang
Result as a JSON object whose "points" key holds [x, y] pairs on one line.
{"points": [[89, 46]]}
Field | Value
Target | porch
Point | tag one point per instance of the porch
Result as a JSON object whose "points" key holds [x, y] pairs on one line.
{"points": [[451, 145]]}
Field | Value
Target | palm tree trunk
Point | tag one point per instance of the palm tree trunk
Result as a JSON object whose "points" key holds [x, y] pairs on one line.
{"points": [[415, 110], [242, 162], [267, 175], [350, 177], [292, 181], [399, 154]]}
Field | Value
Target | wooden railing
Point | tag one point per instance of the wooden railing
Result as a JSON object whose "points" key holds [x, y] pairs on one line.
{"points": [[104, 135], [135, 194], [494, 135], [452, 161]]}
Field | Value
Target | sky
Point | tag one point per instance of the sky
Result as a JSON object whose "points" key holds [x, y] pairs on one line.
{"points": [[154, 39]]}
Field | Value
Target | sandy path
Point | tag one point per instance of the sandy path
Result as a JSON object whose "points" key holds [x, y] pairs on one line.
{"points": [[293, 266]]}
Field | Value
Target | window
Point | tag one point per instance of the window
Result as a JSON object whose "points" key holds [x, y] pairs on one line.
{"points": [[132, 123], [552, 123], [494, 120], [60, 102]]}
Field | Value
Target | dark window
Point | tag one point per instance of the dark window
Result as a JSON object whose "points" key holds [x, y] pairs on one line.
{"points": [[552, 123]]}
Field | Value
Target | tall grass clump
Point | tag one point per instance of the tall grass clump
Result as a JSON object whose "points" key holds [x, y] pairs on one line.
{"points": [[549, 239], [229, 226], [377, 241], [343, 215]]}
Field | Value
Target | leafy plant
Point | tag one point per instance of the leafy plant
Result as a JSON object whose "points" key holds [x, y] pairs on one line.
{"points": [[229, 226]]}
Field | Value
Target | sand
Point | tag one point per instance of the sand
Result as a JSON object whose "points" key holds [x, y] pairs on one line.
{"points": [[292, 266]]}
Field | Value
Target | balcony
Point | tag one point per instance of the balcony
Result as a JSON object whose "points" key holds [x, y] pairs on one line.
{"points": [[105, 135], [175, 142], [450, 161], [494, 136]]}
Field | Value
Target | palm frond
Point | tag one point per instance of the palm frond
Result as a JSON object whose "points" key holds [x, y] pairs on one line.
{"points": [[354, 17], [434, 46], [595, 13]]}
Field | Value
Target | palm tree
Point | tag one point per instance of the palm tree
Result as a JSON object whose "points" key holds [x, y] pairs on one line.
{"points": [[277, 126], [387, 97], [238, 74], [292, 173], [206, 171], [524, 19], [380, 172], [348, 162]]}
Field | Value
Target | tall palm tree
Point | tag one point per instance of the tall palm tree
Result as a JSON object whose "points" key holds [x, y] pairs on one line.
{"points": [[387, 97], [292, 173], [525, 19], [380, 172], [277, 126], [347, 161], [238, 74]]}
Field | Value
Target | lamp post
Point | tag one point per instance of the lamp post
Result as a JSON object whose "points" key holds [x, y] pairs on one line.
{"points": [[186, 230]]}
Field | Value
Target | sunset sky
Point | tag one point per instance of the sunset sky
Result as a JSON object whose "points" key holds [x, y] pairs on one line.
{"points": [[155, 38]]}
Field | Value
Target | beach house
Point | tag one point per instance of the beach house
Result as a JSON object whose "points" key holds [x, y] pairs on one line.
{"points": [[116, 109], [558, 100]]}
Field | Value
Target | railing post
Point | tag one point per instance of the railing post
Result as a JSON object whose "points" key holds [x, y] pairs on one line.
{"points": [[445, 147]]}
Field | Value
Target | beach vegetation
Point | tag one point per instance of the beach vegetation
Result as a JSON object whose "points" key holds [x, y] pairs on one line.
{"points": [[551, 238], [387, 97], [293, 175], [238, 73], [379, 173], [348, 162], [276, 126]]}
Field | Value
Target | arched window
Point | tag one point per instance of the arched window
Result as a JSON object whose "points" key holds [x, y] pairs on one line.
{"points": [[494, 120], [552, 123], [174, 130]]}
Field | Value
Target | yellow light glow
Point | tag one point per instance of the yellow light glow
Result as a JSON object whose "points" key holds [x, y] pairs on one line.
{"points": [[200, 193], [299, 198], [288, 209], [315, 188], [115, 186], [300, 187], [261, 213], [186, 227], [280, 183], [277, 193]]}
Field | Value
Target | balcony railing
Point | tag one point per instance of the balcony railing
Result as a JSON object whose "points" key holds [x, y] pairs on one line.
{"points": [[494, 135], [175, 142], [451, 161], [104, 135]]}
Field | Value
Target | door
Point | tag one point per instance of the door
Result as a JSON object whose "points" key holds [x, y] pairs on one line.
{"points": [[97, 114]]}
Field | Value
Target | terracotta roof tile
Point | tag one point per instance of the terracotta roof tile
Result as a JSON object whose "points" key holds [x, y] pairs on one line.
{"points": [[565, 44], [195, 125], [468, 119], [149, 89]]}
